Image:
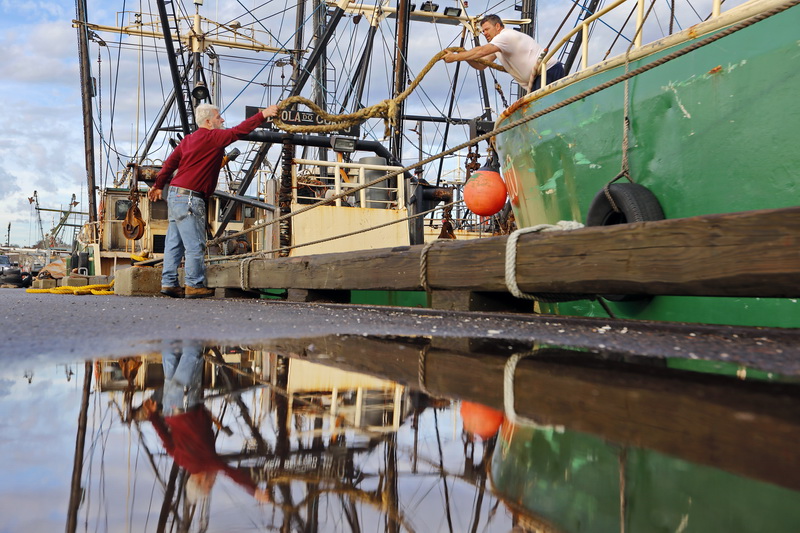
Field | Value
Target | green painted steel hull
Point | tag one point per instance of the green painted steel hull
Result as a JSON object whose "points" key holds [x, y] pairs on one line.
{"points": [[572, 481], [715, 131]]}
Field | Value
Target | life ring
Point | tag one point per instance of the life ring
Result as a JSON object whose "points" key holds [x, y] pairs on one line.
{"points": [[635, 203]]}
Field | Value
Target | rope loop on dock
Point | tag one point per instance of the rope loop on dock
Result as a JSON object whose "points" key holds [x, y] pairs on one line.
{"points": [[509, 371], [423, 266], [511, 262], [244, 273], [423, 356]]}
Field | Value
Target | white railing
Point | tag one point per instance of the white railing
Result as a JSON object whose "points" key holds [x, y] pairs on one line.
{"points": [[583, 27], [343, 176]]}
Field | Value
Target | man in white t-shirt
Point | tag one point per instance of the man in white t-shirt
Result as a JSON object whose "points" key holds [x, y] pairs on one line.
{"points": [[516, 51]]}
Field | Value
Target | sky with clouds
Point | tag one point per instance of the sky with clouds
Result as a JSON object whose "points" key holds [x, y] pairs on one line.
{"points": [[42, 147]]}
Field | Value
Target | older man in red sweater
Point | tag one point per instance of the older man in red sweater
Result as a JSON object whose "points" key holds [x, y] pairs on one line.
{"points": [[197, 159]]}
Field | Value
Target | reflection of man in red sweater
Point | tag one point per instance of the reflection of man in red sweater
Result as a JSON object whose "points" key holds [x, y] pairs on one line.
{"points": [[189, 438], [187, 427]]}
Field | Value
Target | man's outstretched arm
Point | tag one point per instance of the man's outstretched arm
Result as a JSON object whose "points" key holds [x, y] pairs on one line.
{"points": [[485, 51]]}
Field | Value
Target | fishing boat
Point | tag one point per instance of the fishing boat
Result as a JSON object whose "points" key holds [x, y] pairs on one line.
{"points": [[324, 191], [704, 125]]}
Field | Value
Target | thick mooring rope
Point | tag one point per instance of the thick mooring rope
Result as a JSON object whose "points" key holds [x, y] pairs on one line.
{"points": [[511, 261], [385, 109]]}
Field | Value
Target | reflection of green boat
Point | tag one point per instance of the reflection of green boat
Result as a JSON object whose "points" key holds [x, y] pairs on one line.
{"points": [[578, 482], [713, 131]]}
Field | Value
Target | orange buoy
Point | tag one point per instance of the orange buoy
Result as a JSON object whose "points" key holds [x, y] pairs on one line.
{"points": [[485, 192], [480, 420]]}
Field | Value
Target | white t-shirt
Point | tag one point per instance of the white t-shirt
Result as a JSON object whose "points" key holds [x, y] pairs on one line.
{"points": [[518, 54]]}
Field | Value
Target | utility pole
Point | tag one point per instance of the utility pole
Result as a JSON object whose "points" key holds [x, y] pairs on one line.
{"points": [[87, 93]]}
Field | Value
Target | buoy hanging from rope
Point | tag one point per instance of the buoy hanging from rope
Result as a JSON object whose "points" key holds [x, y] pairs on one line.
{"points": [[485, 192], [480, 420]]}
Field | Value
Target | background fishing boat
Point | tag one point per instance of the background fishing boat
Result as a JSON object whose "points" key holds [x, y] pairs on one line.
{"points": [[333, 54]]}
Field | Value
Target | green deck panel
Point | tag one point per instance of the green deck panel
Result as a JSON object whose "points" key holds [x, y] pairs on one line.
{"points": [[703, 139], [392, 298]]}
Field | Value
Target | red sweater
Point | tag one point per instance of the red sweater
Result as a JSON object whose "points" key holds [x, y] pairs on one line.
{"points": [[189, 439], [198, 157]]}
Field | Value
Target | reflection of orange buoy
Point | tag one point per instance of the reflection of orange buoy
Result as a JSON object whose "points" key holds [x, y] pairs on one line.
{"points": [[485, 192], [480, 420]]}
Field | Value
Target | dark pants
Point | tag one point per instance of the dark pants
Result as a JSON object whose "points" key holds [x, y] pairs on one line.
{"points": [[556, 72]]}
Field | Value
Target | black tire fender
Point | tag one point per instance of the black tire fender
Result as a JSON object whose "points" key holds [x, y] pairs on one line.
{"points": [[636, 204]]}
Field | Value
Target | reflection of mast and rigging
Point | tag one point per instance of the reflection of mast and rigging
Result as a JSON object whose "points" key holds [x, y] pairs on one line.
{"points": [[310, 437]]}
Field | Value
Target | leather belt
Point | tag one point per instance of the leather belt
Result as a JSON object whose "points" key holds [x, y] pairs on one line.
{"points": [[181, 190]]}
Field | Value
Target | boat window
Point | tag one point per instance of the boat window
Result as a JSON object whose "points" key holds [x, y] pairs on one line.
{"points": [[249, 211], [121, 209], [235, 217], [158, 243]]}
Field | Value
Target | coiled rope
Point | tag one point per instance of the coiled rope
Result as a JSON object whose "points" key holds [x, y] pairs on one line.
{"points": [[97, 289]]}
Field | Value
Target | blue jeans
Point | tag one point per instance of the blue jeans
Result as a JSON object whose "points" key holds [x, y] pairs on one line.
{"points": [[186, 239], [556, 72], [183, 375]]}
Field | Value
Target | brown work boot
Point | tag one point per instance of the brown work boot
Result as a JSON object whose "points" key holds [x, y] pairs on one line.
{"points": [[198, 292], [172, 292]]}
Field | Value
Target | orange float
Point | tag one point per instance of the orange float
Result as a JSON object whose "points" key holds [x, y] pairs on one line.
{"points": [[480, 420], [485, 192]]}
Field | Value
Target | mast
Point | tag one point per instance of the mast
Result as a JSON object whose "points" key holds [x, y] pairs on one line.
{"points": [[400, 74], [87, 92], [320, 70], [76, 492], [172, 57], [304, 73], [487, 108], [360, 74], [449, 112]]}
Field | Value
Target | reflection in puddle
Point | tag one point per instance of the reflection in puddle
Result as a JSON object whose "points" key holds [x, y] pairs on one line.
{"points": [[352, 434]]}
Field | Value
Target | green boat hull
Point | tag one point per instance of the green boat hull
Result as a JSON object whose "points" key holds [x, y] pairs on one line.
{"points": [[577, 482], [714, 131]]}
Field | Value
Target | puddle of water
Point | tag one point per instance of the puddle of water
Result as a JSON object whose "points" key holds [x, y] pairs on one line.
{"points": [[403, 434]]}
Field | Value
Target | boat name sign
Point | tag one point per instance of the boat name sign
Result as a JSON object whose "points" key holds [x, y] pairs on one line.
{"points": [[302, 118]]}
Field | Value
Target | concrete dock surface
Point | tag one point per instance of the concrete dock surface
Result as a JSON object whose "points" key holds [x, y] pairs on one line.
{"points": [[42, 325]]}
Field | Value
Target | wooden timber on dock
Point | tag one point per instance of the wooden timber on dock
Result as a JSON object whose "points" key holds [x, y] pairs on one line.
{"points": [[754, 253]]}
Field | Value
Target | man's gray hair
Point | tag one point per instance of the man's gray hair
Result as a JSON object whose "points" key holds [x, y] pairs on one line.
{"points": [[492, 19], [204, 112]]}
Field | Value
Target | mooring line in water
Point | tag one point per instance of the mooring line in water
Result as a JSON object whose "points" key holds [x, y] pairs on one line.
{"points": [[488, 135], [509, 370]]}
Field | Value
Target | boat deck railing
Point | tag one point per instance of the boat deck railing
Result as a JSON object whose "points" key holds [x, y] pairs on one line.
{"points": [[585, 25], [309, 186]]}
